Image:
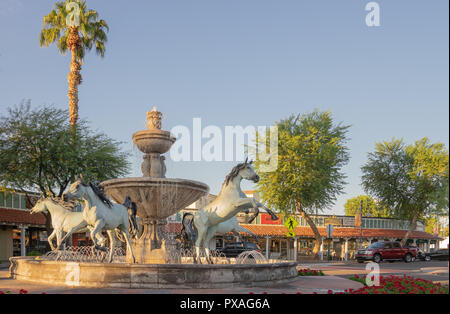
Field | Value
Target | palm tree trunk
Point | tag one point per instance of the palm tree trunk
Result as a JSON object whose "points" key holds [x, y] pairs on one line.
{"points": [[412, 227], [74, 77], [313, 226]]}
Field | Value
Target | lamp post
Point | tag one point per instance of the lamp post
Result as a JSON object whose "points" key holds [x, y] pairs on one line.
{"points": [[360, 226]]}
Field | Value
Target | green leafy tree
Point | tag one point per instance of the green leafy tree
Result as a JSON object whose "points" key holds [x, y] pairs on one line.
{"points": [[410, 179], [311, 152], [39, 152], [370, 207], [72, 26]]}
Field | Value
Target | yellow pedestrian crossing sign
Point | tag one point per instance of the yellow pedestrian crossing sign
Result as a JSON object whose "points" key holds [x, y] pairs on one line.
{"points": [[290, 223], [290, 234]]}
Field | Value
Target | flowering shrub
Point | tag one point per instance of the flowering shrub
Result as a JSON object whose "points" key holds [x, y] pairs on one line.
{"points": [[309, 272], [399, 285], [21, 291]]}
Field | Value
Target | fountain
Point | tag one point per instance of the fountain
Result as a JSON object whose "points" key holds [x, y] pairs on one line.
{"points": [[156, 196], [157, 266]]}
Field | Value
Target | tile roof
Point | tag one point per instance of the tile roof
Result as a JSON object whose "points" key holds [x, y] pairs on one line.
{"points": [[280, 231], [16, 216], [276, 230]]}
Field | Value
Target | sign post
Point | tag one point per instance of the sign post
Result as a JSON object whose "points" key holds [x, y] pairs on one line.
{"points": [[330, 230]]}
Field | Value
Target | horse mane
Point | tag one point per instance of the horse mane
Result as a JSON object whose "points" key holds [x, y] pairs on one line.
{"points": [[234, 172], [59, 201], [100, 192]]}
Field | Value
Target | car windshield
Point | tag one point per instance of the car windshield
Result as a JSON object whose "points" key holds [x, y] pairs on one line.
{"points": [[376, 245]]}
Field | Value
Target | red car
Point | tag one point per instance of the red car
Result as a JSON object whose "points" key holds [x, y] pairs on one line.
{"points": [[390, 251]]}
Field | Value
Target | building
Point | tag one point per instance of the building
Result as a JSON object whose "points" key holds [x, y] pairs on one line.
{"points": [[345, 240], [20, 232]]}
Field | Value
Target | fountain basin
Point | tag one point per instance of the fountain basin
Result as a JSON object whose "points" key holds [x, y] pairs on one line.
{"points": [[157, 276], [153, 141], [156, 198]]}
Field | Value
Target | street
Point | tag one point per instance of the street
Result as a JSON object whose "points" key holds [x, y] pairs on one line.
{"points": [[436, 271]]}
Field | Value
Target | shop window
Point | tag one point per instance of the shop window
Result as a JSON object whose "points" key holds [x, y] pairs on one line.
{"points": [[8, 200], [2, 199], [16, 201], [23, 202]]}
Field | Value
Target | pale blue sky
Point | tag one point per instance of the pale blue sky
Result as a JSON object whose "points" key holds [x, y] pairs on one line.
{"points": [[244, 62]]}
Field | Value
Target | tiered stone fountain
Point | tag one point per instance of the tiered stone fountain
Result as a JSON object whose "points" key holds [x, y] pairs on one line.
{"points": [[156, 196]]}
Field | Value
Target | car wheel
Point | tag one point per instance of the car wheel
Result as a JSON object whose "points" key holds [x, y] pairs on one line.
{"points": [[408, 258], [427, 258], [377, 258]]}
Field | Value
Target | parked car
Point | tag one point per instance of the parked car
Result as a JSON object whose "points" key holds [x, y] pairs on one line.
{"points": [[235, 248], [421, 255], [386, 251], [441, 255]]}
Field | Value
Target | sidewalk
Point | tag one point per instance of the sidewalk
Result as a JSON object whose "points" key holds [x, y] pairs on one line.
{"points": [[4, 265], [301, 284], [435, 270]]}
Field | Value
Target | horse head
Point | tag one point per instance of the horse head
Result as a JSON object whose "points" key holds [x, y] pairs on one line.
{"points": [[77, 190], [245, 170], [39, 207]]}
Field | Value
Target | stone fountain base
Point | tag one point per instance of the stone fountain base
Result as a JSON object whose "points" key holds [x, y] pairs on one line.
{"points": [[151, 276]]}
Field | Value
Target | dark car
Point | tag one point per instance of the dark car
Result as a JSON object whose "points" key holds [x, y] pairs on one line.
{"points": [[235, 248], [421, 255], [441, 255], [389, 251]]}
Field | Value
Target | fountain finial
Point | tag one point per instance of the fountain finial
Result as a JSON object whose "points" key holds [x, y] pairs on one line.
{"points": [[154, 119]]}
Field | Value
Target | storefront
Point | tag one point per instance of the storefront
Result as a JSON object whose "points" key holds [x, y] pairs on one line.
{"points": [[20, 232]]}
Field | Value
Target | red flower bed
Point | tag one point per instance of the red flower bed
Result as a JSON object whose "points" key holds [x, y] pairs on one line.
{"points": [[309, 272], [400, 285]]}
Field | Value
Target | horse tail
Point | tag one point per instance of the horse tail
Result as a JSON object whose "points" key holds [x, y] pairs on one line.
{"points": [[188, 230]]}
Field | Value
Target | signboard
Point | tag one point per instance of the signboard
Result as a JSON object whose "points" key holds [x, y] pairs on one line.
{"points": [[290, 234], [333, 221], [290, 223], [348, 221], [330, 230], [267, 220]]}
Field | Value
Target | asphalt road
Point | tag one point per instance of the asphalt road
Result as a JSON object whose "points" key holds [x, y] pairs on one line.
{"points": [[417, 269]]}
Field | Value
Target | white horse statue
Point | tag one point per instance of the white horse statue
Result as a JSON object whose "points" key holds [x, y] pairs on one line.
{"points": [[201, 226], [63, 220], [101, 213]]}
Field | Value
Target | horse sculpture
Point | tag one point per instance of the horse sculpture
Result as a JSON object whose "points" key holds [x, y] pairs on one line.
{"points": [[101, 214], [63, 220], [201, 226]]}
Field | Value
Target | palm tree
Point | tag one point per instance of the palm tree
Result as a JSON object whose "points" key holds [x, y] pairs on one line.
{"points": [[78, 37]]}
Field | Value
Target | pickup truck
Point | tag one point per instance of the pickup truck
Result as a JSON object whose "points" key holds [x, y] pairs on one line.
{"points": [[389, 251]]}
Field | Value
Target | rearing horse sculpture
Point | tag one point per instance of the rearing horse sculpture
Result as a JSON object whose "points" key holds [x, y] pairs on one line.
{"points": [[101, 214], [201, 226]]}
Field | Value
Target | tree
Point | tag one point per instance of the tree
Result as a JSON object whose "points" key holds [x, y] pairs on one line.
{"points": [[410, 179], [370, 207], [73, 27], [311, 153], [39, 152]]}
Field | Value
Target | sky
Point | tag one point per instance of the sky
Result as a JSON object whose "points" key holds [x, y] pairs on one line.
{"points": [[240, 63]]}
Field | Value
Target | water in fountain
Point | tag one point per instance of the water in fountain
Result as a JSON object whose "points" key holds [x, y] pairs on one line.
{"points": [[251, 257], [84, 254]]}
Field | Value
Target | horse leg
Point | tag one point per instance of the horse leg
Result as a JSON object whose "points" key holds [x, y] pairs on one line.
{"points": [[97, 228], [73, 230], [50, 239], [198, 245], [128, 240], [59, 236], [209, 235], [112, 244]]}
